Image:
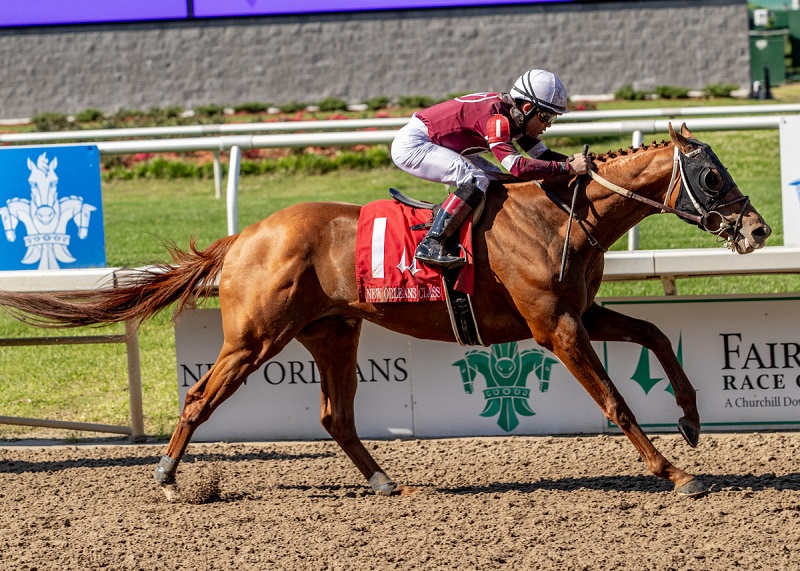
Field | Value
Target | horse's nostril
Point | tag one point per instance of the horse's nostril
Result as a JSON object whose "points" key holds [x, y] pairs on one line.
{"points": [[762, 232]]}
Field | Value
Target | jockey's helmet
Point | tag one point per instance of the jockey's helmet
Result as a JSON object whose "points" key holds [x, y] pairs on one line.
{"points": [[541, 88]]}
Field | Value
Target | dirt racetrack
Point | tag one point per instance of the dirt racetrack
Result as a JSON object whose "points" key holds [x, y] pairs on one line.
{"points": [[507, 503]]}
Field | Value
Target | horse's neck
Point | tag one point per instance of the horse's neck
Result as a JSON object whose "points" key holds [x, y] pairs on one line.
{"points": [[645, 172], [604, 214]]}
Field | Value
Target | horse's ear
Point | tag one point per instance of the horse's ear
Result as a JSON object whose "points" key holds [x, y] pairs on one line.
{"points": [[681, 139], [31, 166]]}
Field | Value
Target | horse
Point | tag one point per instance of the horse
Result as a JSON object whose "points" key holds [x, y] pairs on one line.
{"points": [[292, 276]]}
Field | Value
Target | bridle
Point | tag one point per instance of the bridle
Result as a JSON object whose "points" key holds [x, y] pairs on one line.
{"points": [[704, 184]]}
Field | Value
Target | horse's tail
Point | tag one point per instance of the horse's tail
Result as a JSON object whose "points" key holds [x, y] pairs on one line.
{"points": [[135, 294]]}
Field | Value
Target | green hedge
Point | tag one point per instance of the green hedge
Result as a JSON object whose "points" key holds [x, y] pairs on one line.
{"points": [[312, 163]]}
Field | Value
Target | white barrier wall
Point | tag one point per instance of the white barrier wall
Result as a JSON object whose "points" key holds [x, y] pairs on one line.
{"points": [[741, 353]]}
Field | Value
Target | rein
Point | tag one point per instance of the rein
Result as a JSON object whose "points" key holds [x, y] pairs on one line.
{"points": [[663, 207]]}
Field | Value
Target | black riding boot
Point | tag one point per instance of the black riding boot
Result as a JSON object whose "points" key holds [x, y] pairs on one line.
{"points": [[453, 212]]}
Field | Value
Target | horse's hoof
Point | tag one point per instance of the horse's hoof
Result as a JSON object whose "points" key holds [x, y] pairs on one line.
{"points": [[382, 485], [691, 488], [171, 492], [689, 432]]}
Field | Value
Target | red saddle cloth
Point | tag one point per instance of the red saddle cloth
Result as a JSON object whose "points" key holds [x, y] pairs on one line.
{"points": [[385, 266]]}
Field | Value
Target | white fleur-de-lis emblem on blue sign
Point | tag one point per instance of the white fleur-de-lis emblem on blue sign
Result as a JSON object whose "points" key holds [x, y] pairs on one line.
{"points": [[45, 217]]}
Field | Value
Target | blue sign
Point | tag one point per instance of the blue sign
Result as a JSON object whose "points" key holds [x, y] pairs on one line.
{"points": [[54, 12], [228, 8], [60, 12], [51, 208]]}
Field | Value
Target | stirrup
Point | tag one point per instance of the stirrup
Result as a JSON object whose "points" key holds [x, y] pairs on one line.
{"points": [[442, 258]]}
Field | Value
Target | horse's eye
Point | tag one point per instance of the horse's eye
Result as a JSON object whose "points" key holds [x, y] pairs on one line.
{"points": [[712, 181]]}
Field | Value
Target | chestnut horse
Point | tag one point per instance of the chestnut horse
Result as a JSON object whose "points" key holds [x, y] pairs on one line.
{"points": [[292, 275]]}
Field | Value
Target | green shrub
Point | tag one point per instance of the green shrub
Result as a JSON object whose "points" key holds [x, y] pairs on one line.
{"points": [[52, 121], [415, 101], [379, 102], [628, 93], [89, 115], [172, 111], [292, 107], [372, 157], [251, 107], [672, 92], [378, 156], [209, 110], [332, 104], [720, 89]]}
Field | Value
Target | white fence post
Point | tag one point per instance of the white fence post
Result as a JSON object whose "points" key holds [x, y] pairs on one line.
{"points": [[134, 381], [633, 233], [233, 190], [217, 176]]}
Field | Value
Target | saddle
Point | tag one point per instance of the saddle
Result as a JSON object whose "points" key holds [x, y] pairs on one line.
{"points": [[459, 301]]}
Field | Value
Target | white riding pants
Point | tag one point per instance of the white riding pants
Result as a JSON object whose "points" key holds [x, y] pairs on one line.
{"points": [[415, 153]]}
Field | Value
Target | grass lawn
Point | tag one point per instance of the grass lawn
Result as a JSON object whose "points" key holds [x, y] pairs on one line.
{"points": [[88, 383]]}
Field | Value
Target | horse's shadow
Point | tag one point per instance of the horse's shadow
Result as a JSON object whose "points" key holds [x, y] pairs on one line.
{"points": [[629, 484], [22, 466], [637, 484], [626, 484]]}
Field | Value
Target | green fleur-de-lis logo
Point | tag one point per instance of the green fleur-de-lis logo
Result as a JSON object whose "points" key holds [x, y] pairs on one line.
{"points": [[642, 375], [506, 372]]}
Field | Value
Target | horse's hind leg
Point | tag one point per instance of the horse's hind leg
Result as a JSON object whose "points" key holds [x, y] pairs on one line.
{"points": [[235, 362], [333, 342], [603, 324]]}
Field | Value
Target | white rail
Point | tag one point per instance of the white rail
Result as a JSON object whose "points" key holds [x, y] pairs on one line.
{"points": [[670, 265], [375, 123], [203, 130], [299, 140]]}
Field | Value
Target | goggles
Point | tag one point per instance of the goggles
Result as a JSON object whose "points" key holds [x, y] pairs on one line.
{"points": [[547, 117]]}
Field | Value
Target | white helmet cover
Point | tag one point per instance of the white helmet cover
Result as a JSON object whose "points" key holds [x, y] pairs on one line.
{"points": [[541, 88]]}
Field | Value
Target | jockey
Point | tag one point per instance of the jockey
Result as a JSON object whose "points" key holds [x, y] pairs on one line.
{"points": [[443, 144]]}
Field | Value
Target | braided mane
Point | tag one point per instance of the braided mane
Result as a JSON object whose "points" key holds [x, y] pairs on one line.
{"points": [[608, 155]]}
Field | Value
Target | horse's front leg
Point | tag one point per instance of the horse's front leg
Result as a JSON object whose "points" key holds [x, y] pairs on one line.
{"points": [[570, 342], [604, 324]]}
